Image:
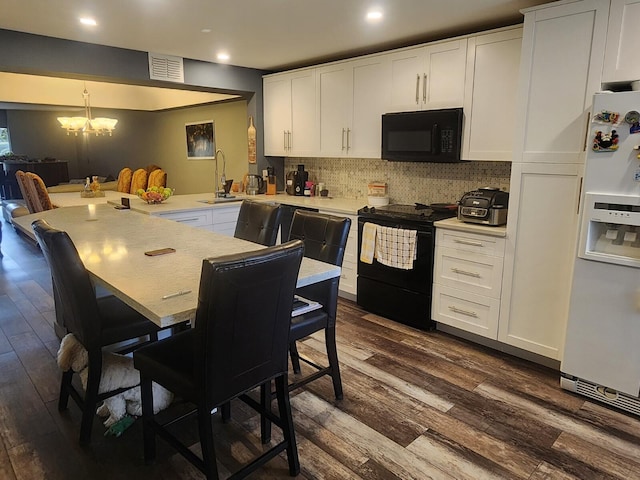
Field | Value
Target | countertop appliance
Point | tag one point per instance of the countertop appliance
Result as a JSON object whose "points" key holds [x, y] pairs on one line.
{"points": [[401, 295], [424, 136], [487, 206], [296, 180], [255, 185], [601, 355]]}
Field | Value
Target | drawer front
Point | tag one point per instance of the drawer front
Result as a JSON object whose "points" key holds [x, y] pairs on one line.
{"points": [[471, 272], [470, 242], [226, 215], [467, 311], [228, 228], [195, 218]]}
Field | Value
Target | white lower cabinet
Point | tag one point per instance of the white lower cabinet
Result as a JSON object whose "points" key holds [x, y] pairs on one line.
{"points": [[349, 275], [194, 218], [468, 281], [225, 219], [219, 219]]}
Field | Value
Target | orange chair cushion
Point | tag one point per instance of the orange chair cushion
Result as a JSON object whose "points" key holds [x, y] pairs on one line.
{"points": [[157, 178], [139, 180], [42, 195], [28, 192], [124, 180]]}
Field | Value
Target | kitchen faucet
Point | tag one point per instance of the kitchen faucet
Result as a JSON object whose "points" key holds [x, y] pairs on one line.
{"points": [[223, 179]]}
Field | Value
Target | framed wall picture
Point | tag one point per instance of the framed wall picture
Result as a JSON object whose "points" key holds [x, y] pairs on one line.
{"points": [[201, 140]]}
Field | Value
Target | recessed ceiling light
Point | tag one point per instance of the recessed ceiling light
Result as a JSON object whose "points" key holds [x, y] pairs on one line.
{"points": [[374, 15], [206, 30], [223, 57], [88, 21]]}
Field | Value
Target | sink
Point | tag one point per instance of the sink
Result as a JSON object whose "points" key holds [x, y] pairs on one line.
{"points": [[221, 200]]}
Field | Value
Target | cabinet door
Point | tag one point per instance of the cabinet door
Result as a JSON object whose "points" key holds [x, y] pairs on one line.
{"points": [[444, 75], [562, 57], [428, 77], [277, 113], [334, 100], [303, 138], [407, 69], [621, 56], [539, 256], [290, 114], [493, 63], [371, 96]]}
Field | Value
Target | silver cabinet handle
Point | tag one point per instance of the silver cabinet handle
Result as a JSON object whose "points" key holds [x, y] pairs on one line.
{"points": [[185, 220], [284, 139], [348, 139], [424, 88], [343, 132], [465, 272], [469, 242], [417, 89], [288, 139], [469, 313]]}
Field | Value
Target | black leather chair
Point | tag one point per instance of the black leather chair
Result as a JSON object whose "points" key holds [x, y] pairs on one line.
{"points": [[325, 239], [258, 222], [96, 322], [239, 342]]}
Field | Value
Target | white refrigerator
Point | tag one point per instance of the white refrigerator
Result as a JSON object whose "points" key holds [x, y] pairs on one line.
{"points": [[602, 345]]}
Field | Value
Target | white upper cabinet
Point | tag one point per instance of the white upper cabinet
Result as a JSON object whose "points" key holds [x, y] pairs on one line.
{"points": [[428, 77], [622, 59], [351, 98], [560, 71], [493, 63], [290, 126]]}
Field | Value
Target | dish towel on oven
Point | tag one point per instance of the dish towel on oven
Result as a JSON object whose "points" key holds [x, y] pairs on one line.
{"points": [[368, 247], [396, 247]]}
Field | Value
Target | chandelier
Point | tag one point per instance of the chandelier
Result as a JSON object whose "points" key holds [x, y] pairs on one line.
{"points": [[86, 124]]}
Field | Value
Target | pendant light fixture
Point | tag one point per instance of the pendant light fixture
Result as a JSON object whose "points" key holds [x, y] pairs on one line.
{"points": [[86, 124]]}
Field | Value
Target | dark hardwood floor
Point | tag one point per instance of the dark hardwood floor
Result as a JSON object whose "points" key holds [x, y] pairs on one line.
{"points": [[416, 405]]}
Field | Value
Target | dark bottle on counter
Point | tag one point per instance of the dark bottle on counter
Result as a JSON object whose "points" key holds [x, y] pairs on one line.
{"points": [[300, 180]]}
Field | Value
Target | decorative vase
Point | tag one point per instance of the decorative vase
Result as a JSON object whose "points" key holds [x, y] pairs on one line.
{"points": [[251, 135]]}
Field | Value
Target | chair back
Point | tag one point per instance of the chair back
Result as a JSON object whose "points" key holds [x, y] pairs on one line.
{"points": [[138, 180], [72, 282], [28, 191], [124, 180], [157, 178], [324, 236], [243, 319], [258, 222], [42, 195], [325, 239]]}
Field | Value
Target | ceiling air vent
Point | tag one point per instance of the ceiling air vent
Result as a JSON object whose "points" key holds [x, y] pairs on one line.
{"points": [[166, 67]]}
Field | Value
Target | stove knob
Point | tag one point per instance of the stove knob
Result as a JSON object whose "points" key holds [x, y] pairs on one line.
{"points": [[372, 209], [365, 209]]}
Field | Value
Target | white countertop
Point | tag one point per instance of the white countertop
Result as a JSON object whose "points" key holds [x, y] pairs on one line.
{"points": [[195, 201], [72, 199], [112, 243], [455, 224]]}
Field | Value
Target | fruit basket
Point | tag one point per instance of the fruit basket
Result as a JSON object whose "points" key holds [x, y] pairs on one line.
{"points": [[154, 195]]}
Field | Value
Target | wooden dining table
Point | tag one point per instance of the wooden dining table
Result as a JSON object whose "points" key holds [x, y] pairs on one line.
{"points": [[164, 288]]}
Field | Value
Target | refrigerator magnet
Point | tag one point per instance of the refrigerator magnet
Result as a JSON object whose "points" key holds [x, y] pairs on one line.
{"points": [[605, 116], [605, 142], [633, 119]]}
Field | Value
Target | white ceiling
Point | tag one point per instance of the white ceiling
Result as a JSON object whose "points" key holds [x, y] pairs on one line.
{"points": [[262, 34]]}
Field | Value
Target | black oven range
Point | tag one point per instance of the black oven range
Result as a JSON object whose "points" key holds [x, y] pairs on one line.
{"points": [[403, 295]]}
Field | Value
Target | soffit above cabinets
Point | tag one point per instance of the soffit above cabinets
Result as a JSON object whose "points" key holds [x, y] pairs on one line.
{"points": [[38, 90]]}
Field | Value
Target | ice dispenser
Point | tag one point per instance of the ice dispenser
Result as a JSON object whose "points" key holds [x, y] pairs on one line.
{"points": [[611, 229]]}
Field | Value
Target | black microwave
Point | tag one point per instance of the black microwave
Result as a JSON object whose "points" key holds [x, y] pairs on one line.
{"points": [[424, 136]]}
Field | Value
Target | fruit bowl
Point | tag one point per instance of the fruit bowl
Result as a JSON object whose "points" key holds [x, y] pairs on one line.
{"points": [[154, 195]]}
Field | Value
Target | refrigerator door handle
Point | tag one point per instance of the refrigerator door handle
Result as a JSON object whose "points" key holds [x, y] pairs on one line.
{"points": [[586, 131]]}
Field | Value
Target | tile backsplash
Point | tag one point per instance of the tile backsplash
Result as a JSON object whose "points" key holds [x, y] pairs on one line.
{"points": [[407, 182]]}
